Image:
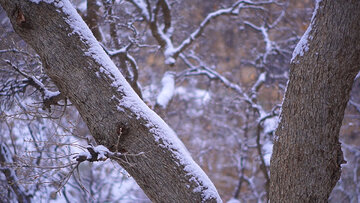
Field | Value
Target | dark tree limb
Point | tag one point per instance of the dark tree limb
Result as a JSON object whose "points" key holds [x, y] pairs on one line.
{"points": [[85, 74]]}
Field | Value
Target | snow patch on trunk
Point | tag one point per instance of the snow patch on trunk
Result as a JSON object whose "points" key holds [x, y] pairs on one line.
{"points": [[303, 45]]}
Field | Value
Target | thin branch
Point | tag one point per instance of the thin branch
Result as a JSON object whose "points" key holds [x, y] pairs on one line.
{"points": [[11, 177], [49, 97], [212, 74], [233, 10], [163, 37]]}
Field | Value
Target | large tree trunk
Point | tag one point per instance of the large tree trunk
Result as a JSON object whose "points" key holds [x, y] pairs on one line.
{"points": [[82, 71], [305, 165]]}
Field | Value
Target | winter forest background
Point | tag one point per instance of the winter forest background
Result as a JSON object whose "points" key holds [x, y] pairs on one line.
{"points": [[222, 96]]}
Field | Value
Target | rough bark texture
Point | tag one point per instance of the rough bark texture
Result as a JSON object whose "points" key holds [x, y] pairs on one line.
{"points": [[161, 172], [305, 164]]}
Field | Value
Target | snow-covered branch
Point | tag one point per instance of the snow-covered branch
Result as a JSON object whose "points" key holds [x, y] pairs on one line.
{"points": [[202, 69], [167, 91], [163, 36], [101, 153], [144, 7]]}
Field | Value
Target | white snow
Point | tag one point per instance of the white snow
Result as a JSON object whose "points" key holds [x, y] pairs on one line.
{"points": [[261, 79], [233, 200], [169, 48], [268, 149], [167, 91], [303, 44], [101, 151], [270, 124], [161, 132], [280, 113], [85, 153], [143, 7], [49, 94], [199, 96], [268, 42], [82, 6]]}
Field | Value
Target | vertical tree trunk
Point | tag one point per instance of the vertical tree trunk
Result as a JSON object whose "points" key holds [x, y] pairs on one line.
{"points": [[115, 115], [305, 165]]}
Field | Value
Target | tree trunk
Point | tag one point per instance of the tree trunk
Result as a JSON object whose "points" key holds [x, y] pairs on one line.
{"points": [[82, 71], [305, 165]]}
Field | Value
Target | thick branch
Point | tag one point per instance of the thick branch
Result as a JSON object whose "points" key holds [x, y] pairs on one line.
{"points": [[83, 72]]}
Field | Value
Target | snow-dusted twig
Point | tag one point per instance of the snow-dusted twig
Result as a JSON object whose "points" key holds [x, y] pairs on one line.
{"points": [[49, 97], [202, 69], [233, 10], [101, 153], [251, 99], [164, 36], [11, 177]]}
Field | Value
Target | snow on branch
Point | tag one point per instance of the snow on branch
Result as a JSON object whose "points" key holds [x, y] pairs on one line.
{"points": [[11, 177], [49, 97], [269, 45], [165, 6], [167, 91], [98, 153], [16, 51], [163, 36], [233, 10], [202, 69], [303, 45], [101, 153], [144, 8]]}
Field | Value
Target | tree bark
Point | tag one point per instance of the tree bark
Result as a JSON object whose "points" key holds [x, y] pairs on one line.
{"points": [[307, 156], [115, 115]]}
